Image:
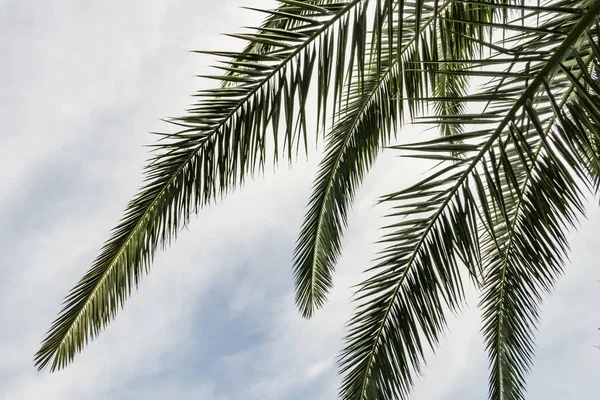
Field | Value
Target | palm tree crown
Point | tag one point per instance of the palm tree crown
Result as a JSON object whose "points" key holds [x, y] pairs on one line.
{"points": [[514, 87]]}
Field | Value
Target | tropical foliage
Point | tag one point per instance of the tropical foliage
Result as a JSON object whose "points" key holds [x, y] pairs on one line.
{"points": [[514, 88]]}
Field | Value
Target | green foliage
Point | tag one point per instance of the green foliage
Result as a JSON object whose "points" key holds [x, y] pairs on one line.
{"points": [[516, 158]]}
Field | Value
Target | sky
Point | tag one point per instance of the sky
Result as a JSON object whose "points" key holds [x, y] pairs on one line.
{"points": [[81, 85]]}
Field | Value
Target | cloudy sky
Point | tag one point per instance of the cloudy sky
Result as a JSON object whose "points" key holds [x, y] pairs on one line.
{"points": [[81, 84]]}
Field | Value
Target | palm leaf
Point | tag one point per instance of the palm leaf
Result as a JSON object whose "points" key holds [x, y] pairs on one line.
{"points": [[371, 114], [527, 243], [445, 216], [223, 138]]}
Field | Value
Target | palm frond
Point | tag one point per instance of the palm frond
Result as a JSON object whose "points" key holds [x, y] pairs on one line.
{"points": [[541, 171], [444, 217], [371, 114], [364, 120], [223, 138]]}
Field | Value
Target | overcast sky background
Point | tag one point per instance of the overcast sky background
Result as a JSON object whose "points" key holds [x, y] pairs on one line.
{"points": [[81, 84]]}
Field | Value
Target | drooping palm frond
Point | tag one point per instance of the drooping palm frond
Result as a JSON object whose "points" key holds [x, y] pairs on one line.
{"points": [[351, 147], [224, 137], [542, 171], [481, 210], [372, 112]]}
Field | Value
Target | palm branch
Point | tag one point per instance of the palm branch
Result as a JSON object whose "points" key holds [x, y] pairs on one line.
{"points": [[516, 158], [369, 117], [504, 206], [223, 138]]}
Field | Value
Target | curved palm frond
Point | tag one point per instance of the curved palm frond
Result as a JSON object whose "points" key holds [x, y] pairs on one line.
{"points": [[351, 147], [223, 138], [371, 114], [541, 169], [402, 306]]}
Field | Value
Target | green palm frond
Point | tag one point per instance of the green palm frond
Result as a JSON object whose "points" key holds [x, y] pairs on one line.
{"points": [[372, 112], [351, 148], [458, 214], [223, 138], [542, 170]]}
